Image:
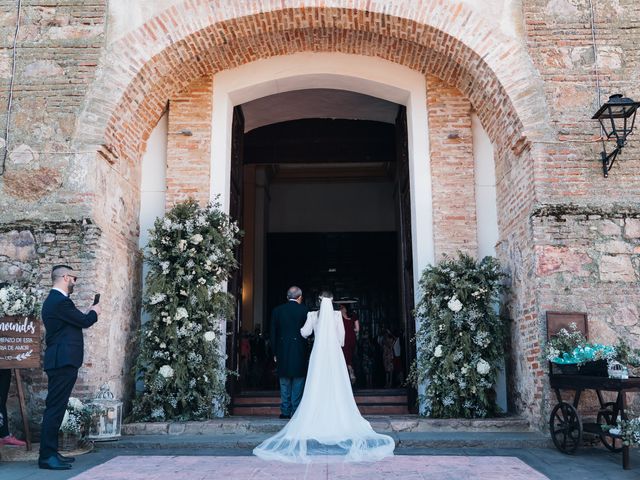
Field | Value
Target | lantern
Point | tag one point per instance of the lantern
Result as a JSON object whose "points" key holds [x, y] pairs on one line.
{"points": [[106, 418]]}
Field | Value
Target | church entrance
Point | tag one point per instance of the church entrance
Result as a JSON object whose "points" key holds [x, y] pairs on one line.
{"points": [[319, 184]]}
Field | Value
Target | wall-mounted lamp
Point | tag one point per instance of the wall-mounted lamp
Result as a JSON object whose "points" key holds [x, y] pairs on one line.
{"points": [[617, 117]]}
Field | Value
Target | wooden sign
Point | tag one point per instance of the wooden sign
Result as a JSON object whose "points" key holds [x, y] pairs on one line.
{"points": [[19, 342]]}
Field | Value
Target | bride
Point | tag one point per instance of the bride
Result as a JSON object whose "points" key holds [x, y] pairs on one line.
{"points": [[327, 425]]}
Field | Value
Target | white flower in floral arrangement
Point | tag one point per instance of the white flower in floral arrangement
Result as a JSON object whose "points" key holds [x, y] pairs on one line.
{"points": [[165, 267], [166, 371], [483, 367], [202, 281], [163, 345], [76, 403], [454, 304], [157, 298], [181, 313], [438, 351], [196, 239], [182, 245], [210, 336]]}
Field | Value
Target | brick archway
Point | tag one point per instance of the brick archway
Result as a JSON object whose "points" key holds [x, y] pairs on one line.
{"points": [[446, 39], [441, 38]]}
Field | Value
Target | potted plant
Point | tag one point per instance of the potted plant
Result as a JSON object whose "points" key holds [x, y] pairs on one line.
{"points": [[570, 353], [74, 424], [627, 430]]}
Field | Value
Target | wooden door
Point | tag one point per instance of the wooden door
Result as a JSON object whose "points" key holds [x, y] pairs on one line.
{"points": [[405, 252], [235, 211]]}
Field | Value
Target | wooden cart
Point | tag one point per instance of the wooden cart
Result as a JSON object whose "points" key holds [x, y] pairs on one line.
{"points": [[565, 424]]}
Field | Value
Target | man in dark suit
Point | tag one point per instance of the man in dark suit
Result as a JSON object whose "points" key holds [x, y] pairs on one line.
{"points": [[290, 350], [62, 358]]}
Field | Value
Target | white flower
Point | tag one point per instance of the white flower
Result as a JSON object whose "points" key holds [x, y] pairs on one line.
{"points": [[157, 298], [181, 313], [182, 245], [209, 336], [454, 304], [438, 351], [483, 367], [75, 403], [166, 371], [196, 239]]}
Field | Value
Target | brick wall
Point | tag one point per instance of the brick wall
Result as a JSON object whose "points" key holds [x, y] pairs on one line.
{"points": [[189, 156], [452, 170], [534, 100]]}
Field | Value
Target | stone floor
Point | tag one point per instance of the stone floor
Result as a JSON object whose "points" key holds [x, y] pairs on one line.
{"points": [[588, 463], [398, 467]]}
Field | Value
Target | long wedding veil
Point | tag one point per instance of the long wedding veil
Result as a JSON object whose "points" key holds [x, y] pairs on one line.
{"points": [[327, 425]]}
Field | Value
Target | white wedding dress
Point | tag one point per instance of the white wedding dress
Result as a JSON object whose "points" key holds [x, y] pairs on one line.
{"points": [[327, 426]]}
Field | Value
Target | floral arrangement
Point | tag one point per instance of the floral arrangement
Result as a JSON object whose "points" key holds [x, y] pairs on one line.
{"points": [[570, 347], [460, 341], [17, 300], [76, 417], [190, 254], [628, 430]]}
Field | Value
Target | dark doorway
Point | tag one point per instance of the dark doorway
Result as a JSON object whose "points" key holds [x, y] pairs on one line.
{"points": [[325, 205], [360, 266]]}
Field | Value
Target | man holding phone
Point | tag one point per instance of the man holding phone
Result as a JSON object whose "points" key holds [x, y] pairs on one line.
{"points": [[62, 359]]}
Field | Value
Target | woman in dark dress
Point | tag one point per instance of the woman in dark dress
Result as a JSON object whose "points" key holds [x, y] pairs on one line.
{"points": [[351, 328]]}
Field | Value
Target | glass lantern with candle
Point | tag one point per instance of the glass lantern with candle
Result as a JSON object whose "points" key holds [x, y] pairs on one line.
{"points": [[106, 419]]}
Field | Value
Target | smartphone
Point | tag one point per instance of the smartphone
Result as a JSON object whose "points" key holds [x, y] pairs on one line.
{"points": [[96, 299]]}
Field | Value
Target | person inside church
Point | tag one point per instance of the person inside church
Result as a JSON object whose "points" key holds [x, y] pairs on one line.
{"points": [[351, 329]]}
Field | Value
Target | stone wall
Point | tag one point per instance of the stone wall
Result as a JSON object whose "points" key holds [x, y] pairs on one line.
{"points": [[28, 251]]}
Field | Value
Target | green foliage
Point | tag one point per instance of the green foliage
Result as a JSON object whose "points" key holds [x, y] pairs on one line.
{"points": [[461, 337], [190, 254]]}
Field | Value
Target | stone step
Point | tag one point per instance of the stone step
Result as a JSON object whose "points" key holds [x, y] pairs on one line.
{"points": [[274, 410], [360, 400], [380, 423], [404, 440]]}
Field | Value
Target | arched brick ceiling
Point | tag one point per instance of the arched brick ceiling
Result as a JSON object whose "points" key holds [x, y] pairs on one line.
{"points": [[235, 42]]}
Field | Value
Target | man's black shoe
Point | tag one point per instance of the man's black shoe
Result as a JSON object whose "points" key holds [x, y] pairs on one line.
{"points": [[53, 463], [285, 416], [65, 459]]}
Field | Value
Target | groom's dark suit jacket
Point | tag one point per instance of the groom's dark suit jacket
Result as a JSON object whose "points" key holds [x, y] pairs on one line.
{"points": [[288, 345], [64, 324]]}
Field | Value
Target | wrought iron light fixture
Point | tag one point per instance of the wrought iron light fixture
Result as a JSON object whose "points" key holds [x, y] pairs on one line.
{"points": [[617, 117]]}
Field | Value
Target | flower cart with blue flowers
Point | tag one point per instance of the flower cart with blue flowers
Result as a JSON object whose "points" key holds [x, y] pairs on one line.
{"points": [[576, 366]]}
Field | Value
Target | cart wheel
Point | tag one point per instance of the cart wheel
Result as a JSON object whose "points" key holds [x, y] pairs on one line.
{"points": [[606, 416], [565, 427]]}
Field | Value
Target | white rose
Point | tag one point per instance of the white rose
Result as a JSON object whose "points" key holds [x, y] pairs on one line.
{"points": [[209, 336], [438, 351], [196, 239], [166, 371], [483, 367], [75, 403], [454, 304], [181, 312]]}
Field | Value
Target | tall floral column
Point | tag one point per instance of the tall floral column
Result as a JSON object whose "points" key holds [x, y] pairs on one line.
{"points": [[461, 338], [190, 255]]}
